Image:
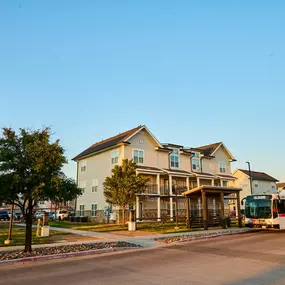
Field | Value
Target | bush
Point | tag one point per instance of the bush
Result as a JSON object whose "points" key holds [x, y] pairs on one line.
{"points": [[71, 218], [83, 219]]}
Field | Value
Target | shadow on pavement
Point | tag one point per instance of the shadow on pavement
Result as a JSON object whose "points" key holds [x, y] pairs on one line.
{"points": [[275, 276]]}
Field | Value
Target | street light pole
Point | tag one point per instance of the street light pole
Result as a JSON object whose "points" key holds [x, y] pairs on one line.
{"points": [[250, 177]]}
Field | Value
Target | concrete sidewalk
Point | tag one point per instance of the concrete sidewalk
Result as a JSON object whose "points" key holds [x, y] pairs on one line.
{"points": [[145, 241]]}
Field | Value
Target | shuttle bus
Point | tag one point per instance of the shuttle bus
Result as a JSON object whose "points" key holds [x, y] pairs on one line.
{"points": [[265, 211]]}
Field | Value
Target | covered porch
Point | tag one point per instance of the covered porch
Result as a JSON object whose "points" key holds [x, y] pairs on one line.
{"points": [[212, 209]]}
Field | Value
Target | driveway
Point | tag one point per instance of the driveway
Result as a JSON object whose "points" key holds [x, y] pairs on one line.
{"points": [[252, 258]]}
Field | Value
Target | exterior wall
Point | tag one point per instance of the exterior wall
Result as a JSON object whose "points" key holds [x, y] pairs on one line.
{"points": [[151, 156], [97, 167], [185, 162], [264, 187], [243, 181], [212, 165]]}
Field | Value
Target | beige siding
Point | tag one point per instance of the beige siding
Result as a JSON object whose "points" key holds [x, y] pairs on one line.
{"points": [[152, 157], [97, 167], [212, 165]]}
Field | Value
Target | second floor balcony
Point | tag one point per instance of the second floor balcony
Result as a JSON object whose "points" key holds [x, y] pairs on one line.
{"points": [[164, 191]]}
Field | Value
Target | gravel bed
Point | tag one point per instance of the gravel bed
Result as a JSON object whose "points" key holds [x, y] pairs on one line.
{"points": [[191, 237], [16, 254]]}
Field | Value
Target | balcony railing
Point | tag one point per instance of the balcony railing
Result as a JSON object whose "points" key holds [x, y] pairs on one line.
{"points": [[151, 189], [164, 191]]}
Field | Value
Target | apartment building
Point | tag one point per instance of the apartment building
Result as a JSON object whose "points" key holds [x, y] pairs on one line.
{"points": [[172, 169]]}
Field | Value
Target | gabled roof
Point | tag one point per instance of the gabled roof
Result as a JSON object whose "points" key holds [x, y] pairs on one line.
{"points": [[210, 149], [115, 140], [281, 185], [261, 176]]}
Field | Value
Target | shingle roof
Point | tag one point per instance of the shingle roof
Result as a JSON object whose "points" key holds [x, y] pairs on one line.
{"points": [[261, 176], [208, 149], [281, 185], [107, 143]]}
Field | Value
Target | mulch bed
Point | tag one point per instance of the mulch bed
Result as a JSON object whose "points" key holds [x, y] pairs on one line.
{"points": [[16, 254], [172, 239]]}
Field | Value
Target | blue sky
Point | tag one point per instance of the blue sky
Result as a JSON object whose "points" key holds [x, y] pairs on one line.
{"points": [[195, 72]]}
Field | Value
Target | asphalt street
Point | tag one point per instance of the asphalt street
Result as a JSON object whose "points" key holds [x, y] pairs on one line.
{"points": [[252, 258]]}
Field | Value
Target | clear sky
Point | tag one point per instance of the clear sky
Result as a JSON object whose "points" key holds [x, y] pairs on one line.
{"points": [[194, 72]]}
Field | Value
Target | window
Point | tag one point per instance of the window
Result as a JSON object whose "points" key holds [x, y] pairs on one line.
{"points": [[83, 166], [273, 187], [115, 157], [174, 158], [82, 185], [42, 202], [138, 156], [222, 167], [256, 185], [93, 210], [81, 210], [196, 161], [94, 185], [225, 183]]}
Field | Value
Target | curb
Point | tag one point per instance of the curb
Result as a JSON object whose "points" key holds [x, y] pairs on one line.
{"points": [[64, 255], [193, 238]]}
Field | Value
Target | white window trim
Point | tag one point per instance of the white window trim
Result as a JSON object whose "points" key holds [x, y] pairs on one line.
{"points": [[222, 162], [198, 158], [95, 210], [83, 166], [80, 209], [175, 155], [115, 151], [95, 183], [137, 149]]}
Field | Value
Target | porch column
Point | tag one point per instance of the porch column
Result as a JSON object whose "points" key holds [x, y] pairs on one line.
{"points": [[205, 210], [213, 182], [170, 199], [223, 210], [187, 212], [137, 208], [158, 199], [221, 182], [198, 182], [238, 210], [187, 183]]}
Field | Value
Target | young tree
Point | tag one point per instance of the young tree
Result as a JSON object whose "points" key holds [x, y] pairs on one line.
{"points": [[121, 187], [30, 171]]}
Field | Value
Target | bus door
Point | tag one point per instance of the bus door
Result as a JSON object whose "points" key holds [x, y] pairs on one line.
{"points": [[281, 213]]}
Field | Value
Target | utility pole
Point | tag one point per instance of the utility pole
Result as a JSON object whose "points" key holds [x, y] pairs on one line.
{"points": [[250, 176]]}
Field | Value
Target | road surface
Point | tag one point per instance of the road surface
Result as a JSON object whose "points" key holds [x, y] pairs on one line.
{"points": [[255, 258]]}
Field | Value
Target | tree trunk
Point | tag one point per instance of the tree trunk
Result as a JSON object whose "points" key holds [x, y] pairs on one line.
{"points": [[29, 225], [123, 214]]}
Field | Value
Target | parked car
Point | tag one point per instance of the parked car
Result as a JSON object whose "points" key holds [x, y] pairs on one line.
{"points": [[18, 216], [62, 215], [4, 215], [51, 215], [38, 215]]}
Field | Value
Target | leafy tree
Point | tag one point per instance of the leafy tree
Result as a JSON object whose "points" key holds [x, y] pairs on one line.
{"points": [[121, 187], [30, 171]]}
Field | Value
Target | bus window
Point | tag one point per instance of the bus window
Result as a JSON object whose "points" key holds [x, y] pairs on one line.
{"points": [[275, 209], [281, 207]]}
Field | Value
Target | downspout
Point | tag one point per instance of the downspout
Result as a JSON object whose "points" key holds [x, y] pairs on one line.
{"points": [[77, 185]]}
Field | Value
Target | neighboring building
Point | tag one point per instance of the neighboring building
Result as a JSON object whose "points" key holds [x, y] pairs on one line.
{"points": [[262, 183], [280, 186], [164, 164]]}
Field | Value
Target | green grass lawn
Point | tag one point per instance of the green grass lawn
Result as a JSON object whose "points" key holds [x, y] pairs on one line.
{"points": [[154, 227], [18, 236]]}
